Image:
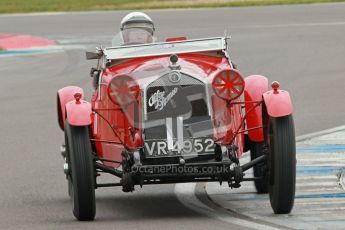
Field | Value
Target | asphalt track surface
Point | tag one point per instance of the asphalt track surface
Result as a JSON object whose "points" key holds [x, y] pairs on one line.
{"points": [[300, 46]]}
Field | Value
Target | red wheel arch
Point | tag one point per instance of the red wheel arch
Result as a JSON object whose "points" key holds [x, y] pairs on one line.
{"points": [[78, 113], [64, 96], [255, 87], [278, 103]]}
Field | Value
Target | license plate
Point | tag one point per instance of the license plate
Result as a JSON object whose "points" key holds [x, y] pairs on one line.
{"points": [[197, 146]]}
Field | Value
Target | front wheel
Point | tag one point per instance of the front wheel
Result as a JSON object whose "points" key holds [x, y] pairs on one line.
{"points": [[82, 174], [280, 137]]}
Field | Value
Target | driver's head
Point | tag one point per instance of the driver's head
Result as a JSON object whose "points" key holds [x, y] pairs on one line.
{"points": [[137, 27]]}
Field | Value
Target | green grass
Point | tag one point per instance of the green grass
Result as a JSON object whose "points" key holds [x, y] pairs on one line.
{"points": [[23, 6]]}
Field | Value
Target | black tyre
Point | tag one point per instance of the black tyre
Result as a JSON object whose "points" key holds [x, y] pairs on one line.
{"points": [[260, 170], [68, 176], [280, 137], [82, 175]]}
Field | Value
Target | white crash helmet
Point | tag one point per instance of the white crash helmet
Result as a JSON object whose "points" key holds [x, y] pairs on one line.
{"points": [[137, 27]]}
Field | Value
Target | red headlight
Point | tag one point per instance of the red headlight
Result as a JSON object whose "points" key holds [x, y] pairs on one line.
{"points": [[228, 84], [123, 90]]}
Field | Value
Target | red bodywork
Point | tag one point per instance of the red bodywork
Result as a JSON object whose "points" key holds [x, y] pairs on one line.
{"points": [[110, 145], [113, 129]]}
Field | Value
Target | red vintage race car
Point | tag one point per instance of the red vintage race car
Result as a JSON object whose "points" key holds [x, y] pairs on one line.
{"points": [[176, 112]]}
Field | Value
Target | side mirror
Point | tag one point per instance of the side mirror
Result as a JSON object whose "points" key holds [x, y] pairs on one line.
{"points": [[93, 55]]}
